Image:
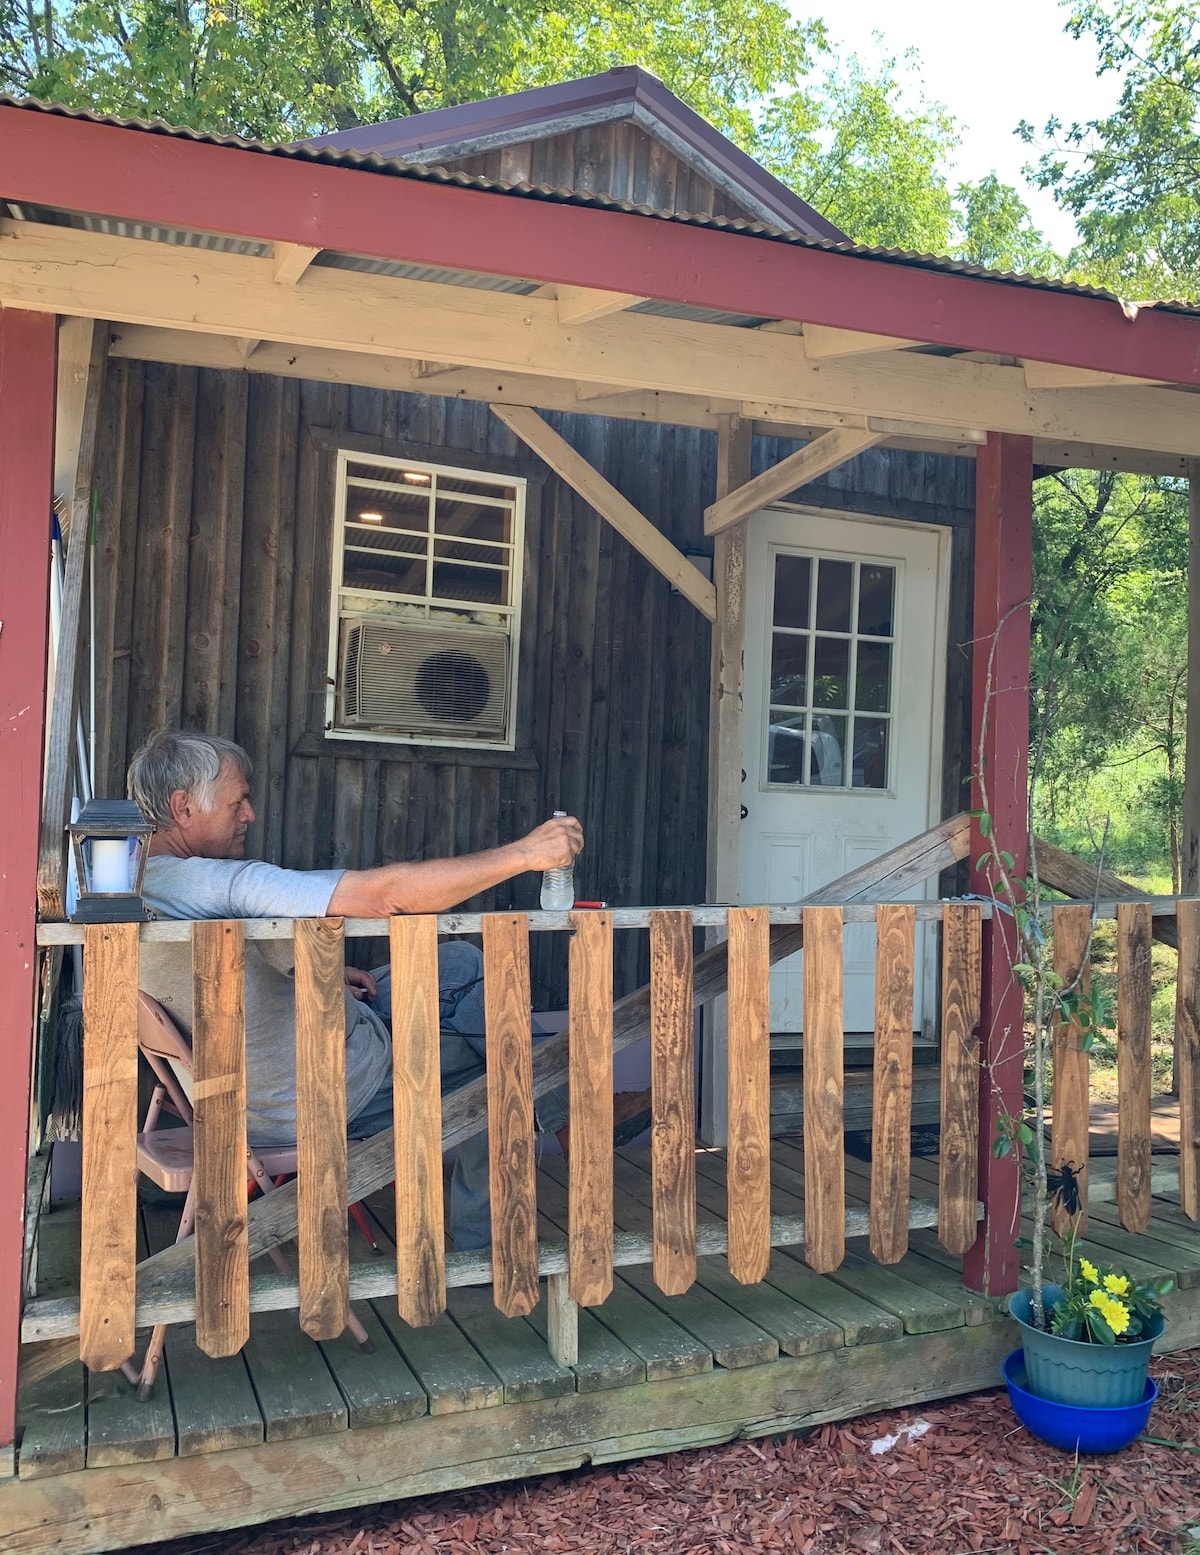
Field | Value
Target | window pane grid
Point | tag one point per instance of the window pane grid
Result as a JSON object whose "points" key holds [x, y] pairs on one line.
{"points": [[832, 728]]}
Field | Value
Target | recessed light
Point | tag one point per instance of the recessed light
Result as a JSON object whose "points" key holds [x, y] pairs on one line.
{"points": [[370, 518], [417, 477]]}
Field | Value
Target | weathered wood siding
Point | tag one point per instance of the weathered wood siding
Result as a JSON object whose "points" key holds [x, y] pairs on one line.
{"points": [[213, 604]]}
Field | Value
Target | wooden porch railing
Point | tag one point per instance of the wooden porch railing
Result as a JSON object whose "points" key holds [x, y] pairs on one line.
{"points": [[581, 1270]]}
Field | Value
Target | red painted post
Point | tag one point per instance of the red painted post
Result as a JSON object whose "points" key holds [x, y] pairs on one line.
{"points": [[1003, 579], [27, 368]]}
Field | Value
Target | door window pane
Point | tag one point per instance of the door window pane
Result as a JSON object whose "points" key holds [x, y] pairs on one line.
{"points": [[831, 672], [793, 585], [873, 680], [834, 580], [828, 751], [870, 753], [786, 746], [789, 669], [876, 591]]}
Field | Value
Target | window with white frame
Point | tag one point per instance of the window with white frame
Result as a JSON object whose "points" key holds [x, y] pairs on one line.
{"points": [[426, 606]]}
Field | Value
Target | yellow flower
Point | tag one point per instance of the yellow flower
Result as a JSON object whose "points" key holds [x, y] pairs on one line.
{"points": [[1116, 1284], [1114, 1312], [1089, 1271]]}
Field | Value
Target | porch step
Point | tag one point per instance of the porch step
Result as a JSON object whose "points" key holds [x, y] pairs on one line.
{"points": [[787, 1099]]}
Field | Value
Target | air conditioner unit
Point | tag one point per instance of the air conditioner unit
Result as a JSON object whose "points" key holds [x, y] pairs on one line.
{"points": [[424, 678]]}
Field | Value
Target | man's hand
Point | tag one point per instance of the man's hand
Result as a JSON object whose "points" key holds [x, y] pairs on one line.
{"points": [[554, 844], [361, 984]]}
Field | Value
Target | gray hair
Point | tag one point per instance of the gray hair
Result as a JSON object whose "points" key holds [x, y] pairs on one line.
{"points": [[173, 760]]}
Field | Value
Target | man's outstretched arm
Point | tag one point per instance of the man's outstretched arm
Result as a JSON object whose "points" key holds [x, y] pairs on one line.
{"points": [[439, 884]]}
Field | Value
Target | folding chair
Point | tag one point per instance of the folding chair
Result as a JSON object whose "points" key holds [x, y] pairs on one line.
{"points": [[166, 1156]]}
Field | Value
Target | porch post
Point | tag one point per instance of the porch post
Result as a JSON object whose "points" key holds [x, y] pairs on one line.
{"points": [[734, 440], [1003, 579], [27, 367], [1191, 759]]}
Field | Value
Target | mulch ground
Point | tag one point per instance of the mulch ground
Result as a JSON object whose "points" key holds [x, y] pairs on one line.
{"points": [[973, 1480]]}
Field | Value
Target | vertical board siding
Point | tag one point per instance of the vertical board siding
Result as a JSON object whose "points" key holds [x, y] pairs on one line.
{"points": [[891, 1138], [1072, 934], [511, 1165], [590, 1165], [108, 1241], [417, 1114], [219, 1091], [673, 1087], [958, 1175], [1134, 923], [321, 1127], [824, 1088]]}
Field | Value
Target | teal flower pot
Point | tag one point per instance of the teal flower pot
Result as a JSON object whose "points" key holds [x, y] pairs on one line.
{"points": [[1072, 1371]]}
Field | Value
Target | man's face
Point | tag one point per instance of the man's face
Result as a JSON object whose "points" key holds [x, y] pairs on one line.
{"points": [[221, 831]]}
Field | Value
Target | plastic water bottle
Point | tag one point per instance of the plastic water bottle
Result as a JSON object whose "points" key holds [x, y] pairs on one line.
{"points": [[558, 886]]}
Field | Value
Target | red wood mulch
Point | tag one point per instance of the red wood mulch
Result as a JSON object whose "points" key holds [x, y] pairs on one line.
{"points": [[974, 1481]]}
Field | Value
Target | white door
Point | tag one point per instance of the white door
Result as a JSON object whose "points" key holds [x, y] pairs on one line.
{"points": [[845, 668]]}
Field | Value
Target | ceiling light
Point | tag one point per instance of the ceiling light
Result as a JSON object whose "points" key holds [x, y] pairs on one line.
{"points": [[417, 477], [370, 518]]}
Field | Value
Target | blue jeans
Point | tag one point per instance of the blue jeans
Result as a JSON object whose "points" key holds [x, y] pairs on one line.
{"points": [[463, 1031]]}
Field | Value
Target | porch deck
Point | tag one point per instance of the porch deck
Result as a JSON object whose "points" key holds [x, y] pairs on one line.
{"points": [[291, 1426]]}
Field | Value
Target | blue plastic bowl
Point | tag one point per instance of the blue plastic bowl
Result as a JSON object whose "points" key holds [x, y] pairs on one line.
{"points": [[1067, 1425]]}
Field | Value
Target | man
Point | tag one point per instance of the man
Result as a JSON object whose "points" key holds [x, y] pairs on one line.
{"points": [[196, 789]]}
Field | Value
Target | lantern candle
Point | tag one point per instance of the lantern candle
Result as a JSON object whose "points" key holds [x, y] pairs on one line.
{"points": [[110, 864]]}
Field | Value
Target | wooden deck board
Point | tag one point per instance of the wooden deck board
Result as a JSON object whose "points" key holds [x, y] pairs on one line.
{"points": [[121, 1429], [452, 1372], [511, 1348], [297, 1395], [53, 1424], [604, 1362], [379, 1388]]}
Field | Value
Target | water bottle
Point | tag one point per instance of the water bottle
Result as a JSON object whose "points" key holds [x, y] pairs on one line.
{"points": [[558, 886]]}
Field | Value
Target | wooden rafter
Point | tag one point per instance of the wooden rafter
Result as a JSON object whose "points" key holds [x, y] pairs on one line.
{"points": [[580, 304], [797, 469], [611, 505], [289, 261], [822, 341]]}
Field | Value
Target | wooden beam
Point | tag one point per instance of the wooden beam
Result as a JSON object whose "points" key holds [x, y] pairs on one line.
{"points": [[289, 261], [1049, 375], [580, 304], [611, 505], [221, 293], [74, 360], [56, 802], [822, 342], [1066, 872], [425, 370], [818, 457], [1000, 729], [27, 375], [247, 345]]}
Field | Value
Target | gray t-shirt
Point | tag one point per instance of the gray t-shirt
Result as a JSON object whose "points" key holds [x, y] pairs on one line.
{"points": [[245, 888]]}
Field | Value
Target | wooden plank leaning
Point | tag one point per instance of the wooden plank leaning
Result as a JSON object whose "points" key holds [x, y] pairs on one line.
{"points": [[321, 1127], [371, 1163], [1133, 1065], [1072, 930], [417, 1110], [56, 788], [1187, 1050], [590, 1213], [219, 1067], [108, 1238], [891, 1116], [749, 1151], [672, 1080], [958, 1177], [510, 1123], [824, 1087]]}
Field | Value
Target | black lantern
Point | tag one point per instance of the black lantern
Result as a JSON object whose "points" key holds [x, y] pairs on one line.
{"points": [[108, 872]]}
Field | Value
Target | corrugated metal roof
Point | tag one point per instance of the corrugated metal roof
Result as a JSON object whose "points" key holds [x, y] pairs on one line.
{"points": [[394, 167]]}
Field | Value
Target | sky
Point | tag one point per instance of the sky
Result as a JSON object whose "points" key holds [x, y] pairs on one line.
{"points": [[992, 65]]}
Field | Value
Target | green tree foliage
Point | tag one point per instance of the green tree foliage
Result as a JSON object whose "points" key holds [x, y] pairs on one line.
{"points": [[994, 229], [1132, 179]]}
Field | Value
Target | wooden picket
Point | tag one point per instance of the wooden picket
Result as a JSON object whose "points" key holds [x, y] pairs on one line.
{"points": [[417, 1114], [108, 1245], [673, 1082], [590, 1205], [891, 1167], [1134, 924], [749, 1152], [510, 1113], [1069, 1147], [321, 1126], [958, 1184], [824, 1131], [219, 1090]]}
